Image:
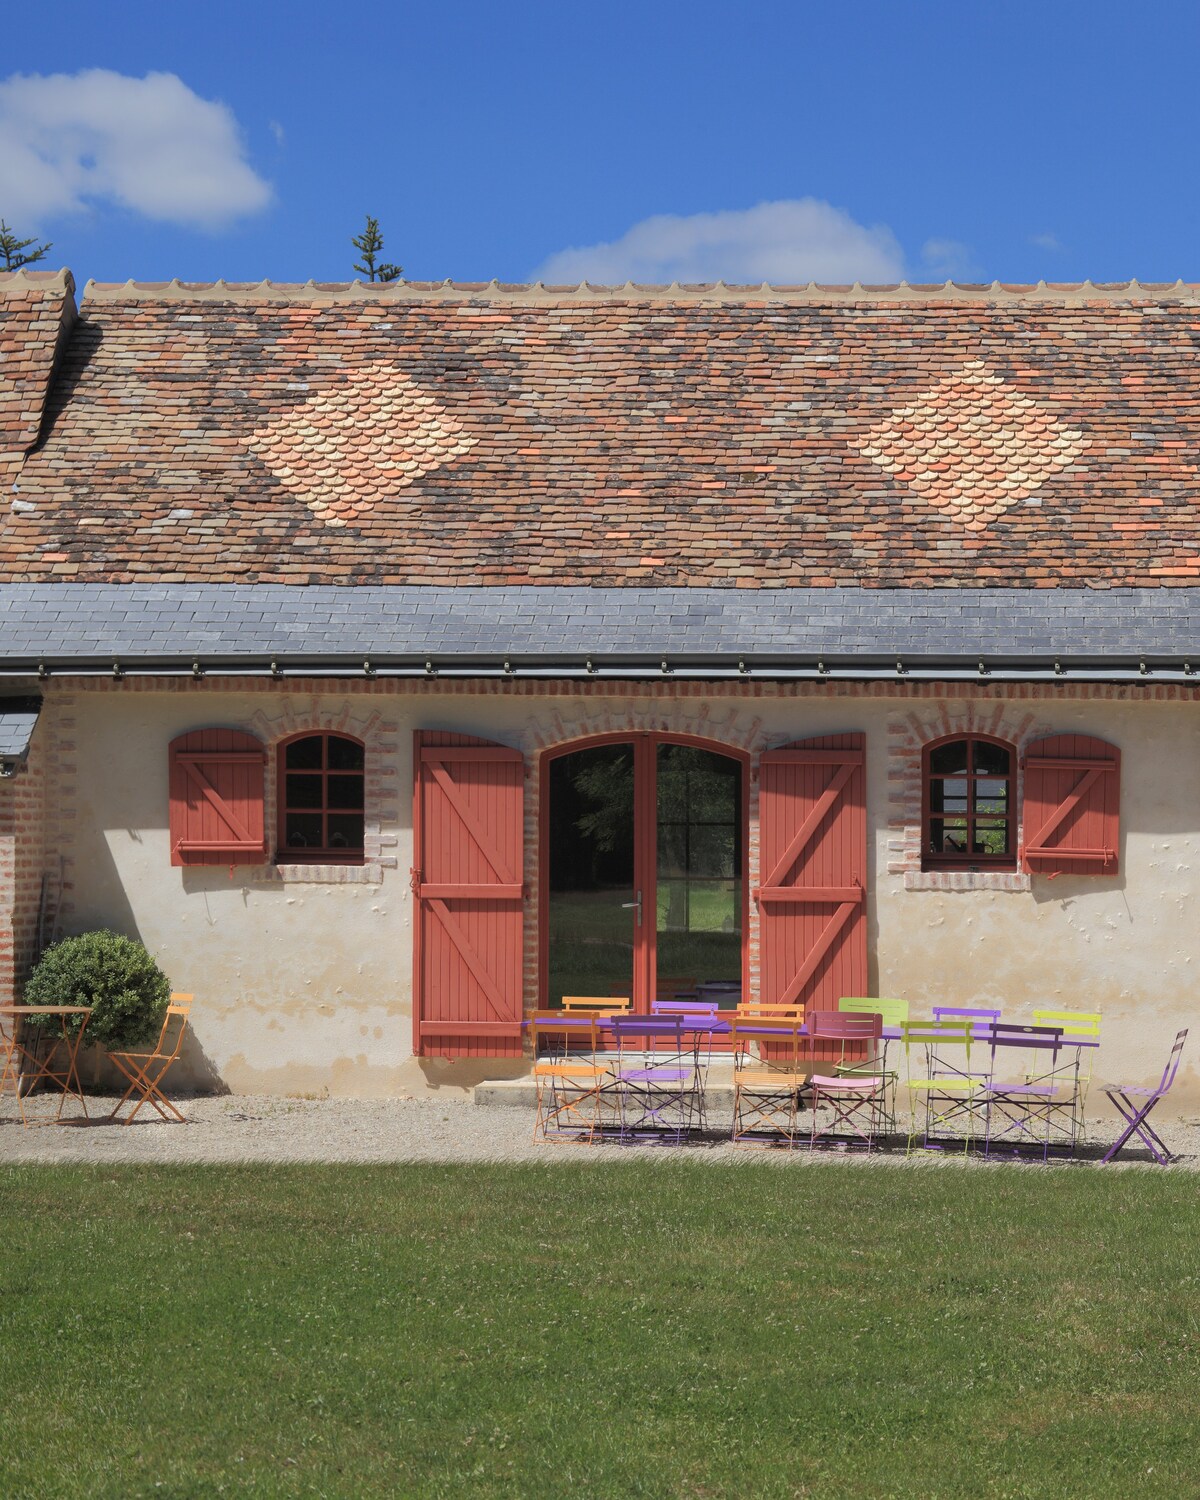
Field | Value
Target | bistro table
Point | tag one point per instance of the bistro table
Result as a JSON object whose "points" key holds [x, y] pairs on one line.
{"points": [[27, 1069]]}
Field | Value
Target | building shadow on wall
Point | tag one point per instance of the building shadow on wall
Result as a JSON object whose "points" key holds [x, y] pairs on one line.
{"points": [[99, 902]]}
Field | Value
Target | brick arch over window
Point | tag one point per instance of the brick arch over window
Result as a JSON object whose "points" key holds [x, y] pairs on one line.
{"points": [[937, 715], [289, 714]]}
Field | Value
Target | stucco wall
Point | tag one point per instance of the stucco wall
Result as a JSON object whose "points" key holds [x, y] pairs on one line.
{"points": [[303, 985]]}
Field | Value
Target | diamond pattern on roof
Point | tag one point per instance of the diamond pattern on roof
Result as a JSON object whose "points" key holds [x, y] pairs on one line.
{"points": [[973, 446], [359, 440]]}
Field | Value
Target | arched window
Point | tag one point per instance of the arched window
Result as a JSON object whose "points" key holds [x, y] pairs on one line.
{"points": [[969, 815], [321, 800]]}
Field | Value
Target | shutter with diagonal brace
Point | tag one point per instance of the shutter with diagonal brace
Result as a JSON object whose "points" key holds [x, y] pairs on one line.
{"points": [[813, 865], [1072, 810], [468, 832], [216, 798]]}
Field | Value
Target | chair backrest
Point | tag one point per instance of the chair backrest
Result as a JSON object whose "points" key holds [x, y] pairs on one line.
{"points": [[768, 1013], [603, 1006], [937, 1036], [685, 1008], [1172, 1066], [982, 1017], [668, 1029], [1014, 1034], [845, 1025], [1082, 1025], [179, 1008], [786, 1039], [894, 1012], [578, 1032]]}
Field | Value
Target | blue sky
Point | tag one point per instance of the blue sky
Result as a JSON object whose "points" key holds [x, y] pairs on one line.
{"points": [[761, 141]]}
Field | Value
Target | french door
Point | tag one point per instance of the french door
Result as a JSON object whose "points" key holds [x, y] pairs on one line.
{"points": [[644, 871]]}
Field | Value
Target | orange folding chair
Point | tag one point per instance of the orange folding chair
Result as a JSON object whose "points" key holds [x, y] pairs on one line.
{"points": [[146, 1070]]}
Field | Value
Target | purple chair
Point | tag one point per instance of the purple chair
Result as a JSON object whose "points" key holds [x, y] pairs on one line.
{"points": [[661, 1096], [1020, 1113], [1124, 1095]]}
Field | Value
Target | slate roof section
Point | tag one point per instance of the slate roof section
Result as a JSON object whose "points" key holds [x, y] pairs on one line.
{"points": [[18, 718], [711, 437], [853, 631]]}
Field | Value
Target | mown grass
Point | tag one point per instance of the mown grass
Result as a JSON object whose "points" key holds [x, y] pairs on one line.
{"points": [[623, 1329]]}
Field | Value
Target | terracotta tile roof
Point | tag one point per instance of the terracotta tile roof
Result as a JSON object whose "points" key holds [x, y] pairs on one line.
{"points": [[752, 437], [35, 308]]}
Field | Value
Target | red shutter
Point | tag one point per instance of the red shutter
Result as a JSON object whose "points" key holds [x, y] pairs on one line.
{"points": [[813, 866], [1072, 812], [216, 813], [468, 840]]}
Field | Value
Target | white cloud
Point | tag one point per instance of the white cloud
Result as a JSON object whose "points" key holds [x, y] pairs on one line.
{"points": [[277, 131], [950, 260], [791, 241], [147, 144], [1046, 241]]}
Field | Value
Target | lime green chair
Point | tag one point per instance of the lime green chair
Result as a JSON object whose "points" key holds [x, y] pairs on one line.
{"points": [[954, 1099], [1080, 1040]]}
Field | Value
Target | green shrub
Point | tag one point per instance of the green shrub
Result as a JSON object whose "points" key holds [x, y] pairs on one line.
{"points": [[115, 975]]}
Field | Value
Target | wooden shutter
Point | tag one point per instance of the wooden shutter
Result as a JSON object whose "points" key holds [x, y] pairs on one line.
{"points": [[813, 864], [216, 798], [468, 838], [1071, 822]]}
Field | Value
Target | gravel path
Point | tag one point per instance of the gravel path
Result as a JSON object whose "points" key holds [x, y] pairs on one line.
{"points": [[247, 1128]]}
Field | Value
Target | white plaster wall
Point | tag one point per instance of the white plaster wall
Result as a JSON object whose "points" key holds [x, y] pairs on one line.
{"points": [[306, 987]]}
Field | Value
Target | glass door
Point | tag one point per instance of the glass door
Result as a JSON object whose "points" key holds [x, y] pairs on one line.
{"points": [[644, 882], [592, 908], [698, 931]]}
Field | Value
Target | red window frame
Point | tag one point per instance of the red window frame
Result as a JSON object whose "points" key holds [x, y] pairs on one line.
{"points": [[966, 860], [285, 854]]}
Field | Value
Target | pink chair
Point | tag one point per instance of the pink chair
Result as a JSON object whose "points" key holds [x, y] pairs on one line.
{"points": [[858, 1100]]}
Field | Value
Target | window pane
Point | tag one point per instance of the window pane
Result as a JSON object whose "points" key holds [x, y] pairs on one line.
{"points": [[672, 849], [345, 791], [713, 853], [345, 831], [344, 755], [949, 760], [991, 758], [948, 796], [302, 830], [304, 755], [948, 836], [304, 791], [991, 837], [991, 795]]}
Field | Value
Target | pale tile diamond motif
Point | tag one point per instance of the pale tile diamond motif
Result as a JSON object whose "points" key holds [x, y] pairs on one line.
{"points": [[358, 440], [973, 446]]}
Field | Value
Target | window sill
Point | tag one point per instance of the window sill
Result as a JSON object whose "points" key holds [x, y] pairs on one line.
{"points": [[370, 873], [967, 880]]}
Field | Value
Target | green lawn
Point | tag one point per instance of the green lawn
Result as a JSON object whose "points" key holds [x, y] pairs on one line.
{"points": [[607, 1329]]}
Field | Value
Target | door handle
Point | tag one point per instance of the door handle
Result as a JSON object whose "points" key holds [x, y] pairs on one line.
{"points": [[634, 905]]}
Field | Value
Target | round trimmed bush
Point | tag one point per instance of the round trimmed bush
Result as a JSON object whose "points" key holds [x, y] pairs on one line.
{"points": [[115, 975]]}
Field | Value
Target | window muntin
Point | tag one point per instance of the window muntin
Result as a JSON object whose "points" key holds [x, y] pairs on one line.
{"points": [[969, 819], [321, 783]]}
